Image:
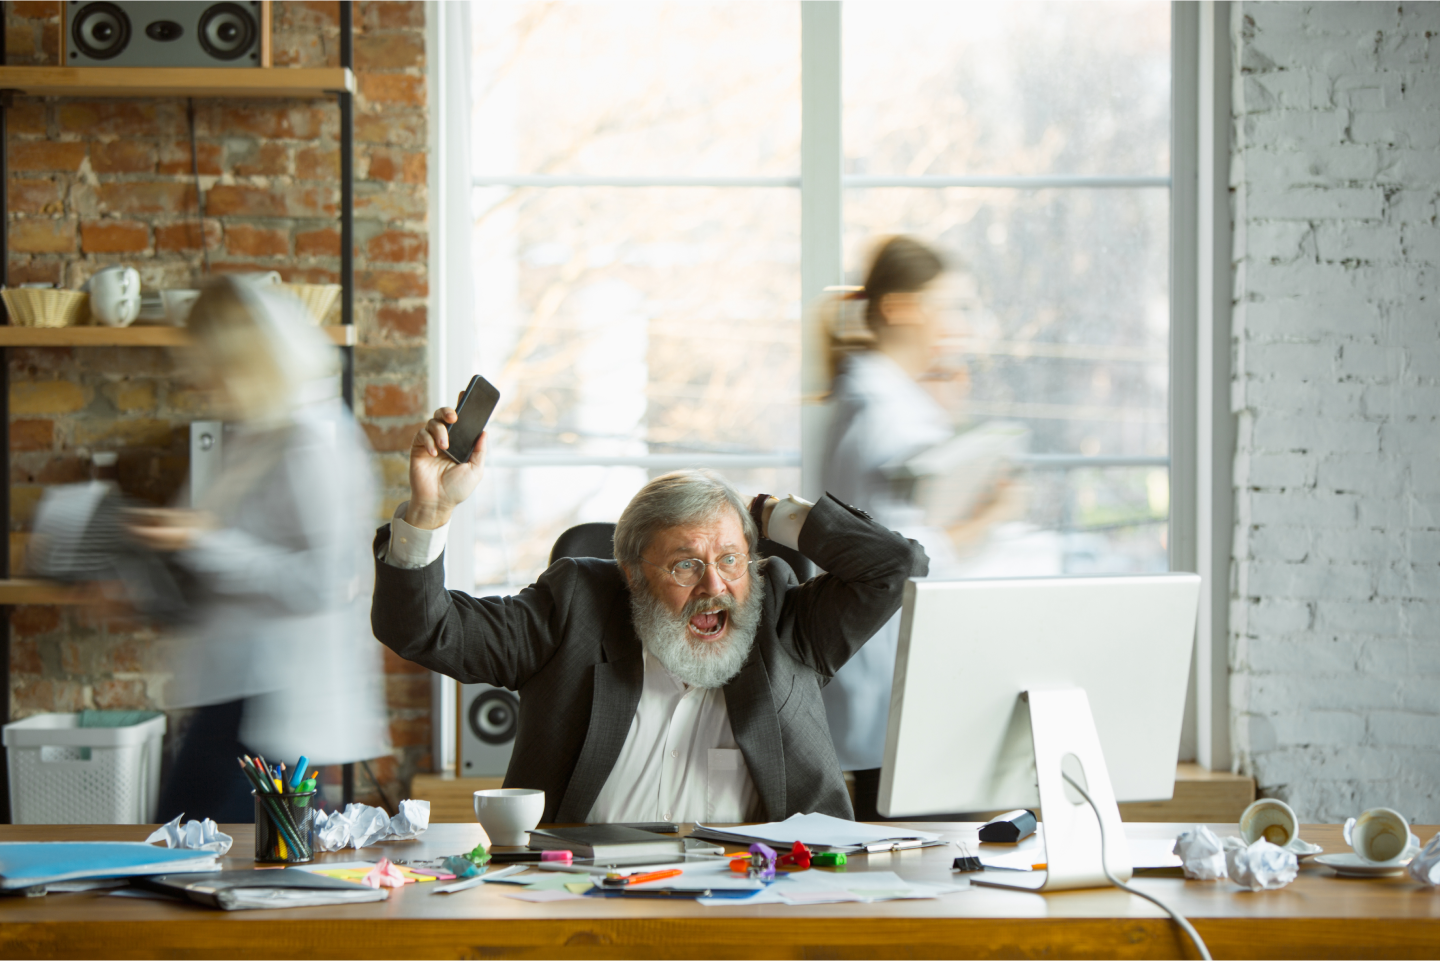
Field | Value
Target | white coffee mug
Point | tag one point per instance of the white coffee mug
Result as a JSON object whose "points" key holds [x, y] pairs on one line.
{"points": [[508, 814], [115, 296], [1271, 819], [1382, 836]]}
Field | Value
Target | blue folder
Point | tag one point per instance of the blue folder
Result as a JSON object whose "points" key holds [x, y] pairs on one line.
{"points": [[25, 864]]}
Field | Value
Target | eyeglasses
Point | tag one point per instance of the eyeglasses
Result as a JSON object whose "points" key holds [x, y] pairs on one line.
{"points": [[689, 572]]}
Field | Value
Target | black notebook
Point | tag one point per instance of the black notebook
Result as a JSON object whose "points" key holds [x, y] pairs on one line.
{"points": [[605, 841], [268, 888]]}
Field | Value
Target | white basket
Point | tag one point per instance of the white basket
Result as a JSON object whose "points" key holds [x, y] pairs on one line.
{"points": [[61, 773]]}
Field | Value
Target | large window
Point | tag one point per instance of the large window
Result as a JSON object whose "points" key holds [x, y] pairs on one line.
{"points": [[636, 195]]}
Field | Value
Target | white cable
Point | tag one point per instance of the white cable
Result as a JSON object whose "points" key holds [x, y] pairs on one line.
{"points": [[1185, 925]]}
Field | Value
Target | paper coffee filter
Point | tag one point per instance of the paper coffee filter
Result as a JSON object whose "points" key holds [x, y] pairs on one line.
{"points": [[45, 306]]}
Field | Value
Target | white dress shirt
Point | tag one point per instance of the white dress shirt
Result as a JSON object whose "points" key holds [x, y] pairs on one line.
{"points": [[680, 760]]}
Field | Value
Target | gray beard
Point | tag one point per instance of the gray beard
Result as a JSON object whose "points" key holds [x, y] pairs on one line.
{"points": [[666, 635]]}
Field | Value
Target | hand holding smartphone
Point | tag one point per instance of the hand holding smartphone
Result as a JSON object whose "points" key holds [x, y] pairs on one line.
{"points": [[472, 414]]}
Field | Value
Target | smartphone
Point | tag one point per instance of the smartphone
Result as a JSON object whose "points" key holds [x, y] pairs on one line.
{"points": [[476, 406]]}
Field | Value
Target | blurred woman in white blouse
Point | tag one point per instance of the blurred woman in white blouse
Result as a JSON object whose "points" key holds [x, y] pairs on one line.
{"points": [[883, 336], [278, 657]]}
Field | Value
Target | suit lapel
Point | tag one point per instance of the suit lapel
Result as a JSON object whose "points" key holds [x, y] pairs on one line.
{"points": [[756, 727], [619, 681]]}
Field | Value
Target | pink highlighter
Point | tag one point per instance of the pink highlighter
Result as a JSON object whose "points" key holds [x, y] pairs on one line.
{"points": [[518, 857]]}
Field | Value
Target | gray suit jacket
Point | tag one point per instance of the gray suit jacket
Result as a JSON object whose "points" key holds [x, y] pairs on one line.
{"points": [[566, 643]]}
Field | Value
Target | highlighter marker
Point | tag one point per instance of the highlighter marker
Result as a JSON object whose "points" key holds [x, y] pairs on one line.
{"points": [[299, 772], [516, 857]]}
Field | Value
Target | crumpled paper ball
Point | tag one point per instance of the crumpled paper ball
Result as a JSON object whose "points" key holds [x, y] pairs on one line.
{"points": [[460, 866], [1425, 866], [361, 825], [411, 821], [1262, 866], [1201, 853], [192, 836], [384, 875]]}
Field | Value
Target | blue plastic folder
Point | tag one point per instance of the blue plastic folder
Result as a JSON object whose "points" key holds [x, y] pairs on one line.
{"points": [[25, 864]]}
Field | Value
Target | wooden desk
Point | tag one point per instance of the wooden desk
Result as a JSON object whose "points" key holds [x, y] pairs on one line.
{"points": [[1319, 915], [1200, 796]]}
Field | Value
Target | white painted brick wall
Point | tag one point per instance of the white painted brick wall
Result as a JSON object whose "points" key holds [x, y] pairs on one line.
{"points": [[1335, 683]]}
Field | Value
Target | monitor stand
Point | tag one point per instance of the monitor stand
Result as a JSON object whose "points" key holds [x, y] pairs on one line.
{"points": [[1063, 732]]}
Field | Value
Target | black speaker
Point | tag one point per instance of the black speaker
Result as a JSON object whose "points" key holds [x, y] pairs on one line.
{"points": [[167, 33], [489, 718]]}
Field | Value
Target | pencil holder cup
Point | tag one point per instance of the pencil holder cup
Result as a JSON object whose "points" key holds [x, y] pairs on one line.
{"points": [[284, 827]]}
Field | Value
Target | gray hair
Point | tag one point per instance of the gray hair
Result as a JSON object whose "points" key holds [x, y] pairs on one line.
{"points": [[680, 497]]}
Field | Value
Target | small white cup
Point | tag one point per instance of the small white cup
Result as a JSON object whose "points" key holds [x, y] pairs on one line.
{"points": [[177, 305], [115, 296], [1271, 819], [509, 814], [1381, 836]]}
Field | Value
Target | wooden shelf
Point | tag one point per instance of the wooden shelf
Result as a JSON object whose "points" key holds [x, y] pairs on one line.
{"points": [[22, 591], [12, 336], [304, 82], [1201, 797]]}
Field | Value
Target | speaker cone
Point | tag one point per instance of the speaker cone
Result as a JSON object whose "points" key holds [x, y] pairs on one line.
{"points": [[100, 30], [494, 717], [227, 31]]}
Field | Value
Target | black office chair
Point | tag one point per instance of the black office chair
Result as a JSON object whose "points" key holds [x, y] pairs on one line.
{"points": [[597, 539]]}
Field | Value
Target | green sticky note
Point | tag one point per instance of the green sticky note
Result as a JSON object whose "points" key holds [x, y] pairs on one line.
{"points": [[556, 881]]}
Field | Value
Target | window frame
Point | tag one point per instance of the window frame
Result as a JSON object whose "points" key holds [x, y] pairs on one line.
{"points": [[1201, 427]]}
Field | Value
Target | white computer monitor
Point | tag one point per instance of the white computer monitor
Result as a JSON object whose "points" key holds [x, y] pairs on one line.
{"points": [[977, 658]]}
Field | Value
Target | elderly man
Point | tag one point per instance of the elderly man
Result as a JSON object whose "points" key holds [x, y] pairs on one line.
{"points": [[680, 682]]}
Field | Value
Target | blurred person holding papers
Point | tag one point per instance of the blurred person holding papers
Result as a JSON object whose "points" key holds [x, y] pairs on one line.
{"points": [[275, 653], [883, 338], [680, 682]]}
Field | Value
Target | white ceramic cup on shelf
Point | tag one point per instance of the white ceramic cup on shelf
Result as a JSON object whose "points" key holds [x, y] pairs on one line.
{"points": [[1271, 819], [115, 296], [508, 814], [1382, 836]]}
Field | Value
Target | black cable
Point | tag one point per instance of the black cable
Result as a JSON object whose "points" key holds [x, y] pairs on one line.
{"points": [[195, 170], [384, 798], [1185, 925]]}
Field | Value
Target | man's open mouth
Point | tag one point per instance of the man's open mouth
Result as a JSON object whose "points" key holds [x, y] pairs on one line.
{"points": [[708, 624]]}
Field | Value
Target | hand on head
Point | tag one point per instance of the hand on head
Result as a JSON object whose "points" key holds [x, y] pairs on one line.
{"points": [[437, 484]]}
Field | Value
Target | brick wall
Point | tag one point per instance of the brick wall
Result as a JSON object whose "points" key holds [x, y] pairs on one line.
{"points": [[106, 181], [1336, 614]]}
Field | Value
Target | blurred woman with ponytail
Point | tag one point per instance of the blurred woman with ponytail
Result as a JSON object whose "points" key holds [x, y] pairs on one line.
{"points": [[882, 337]]}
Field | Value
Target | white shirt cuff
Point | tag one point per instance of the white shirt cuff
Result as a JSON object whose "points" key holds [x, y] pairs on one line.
{"points": [[786, 520], [412, 548]]}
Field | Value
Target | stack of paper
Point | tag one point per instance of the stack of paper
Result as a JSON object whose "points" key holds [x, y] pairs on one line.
{"points": [[28, 864], [825, 887], [822, 832]]}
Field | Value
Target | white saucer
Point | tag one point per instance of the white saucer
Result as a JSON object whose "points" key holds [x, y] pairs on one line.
{"points": [[1303, 849], [1350, 865]]}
